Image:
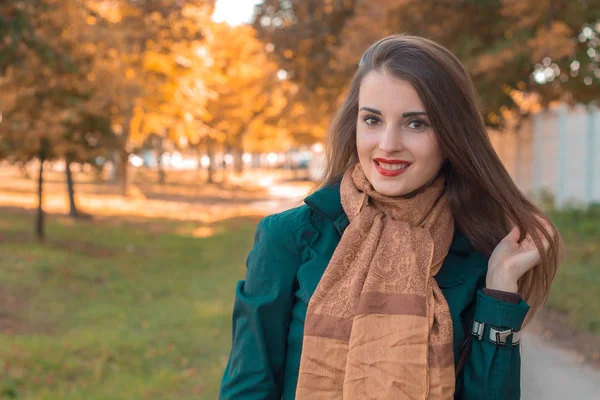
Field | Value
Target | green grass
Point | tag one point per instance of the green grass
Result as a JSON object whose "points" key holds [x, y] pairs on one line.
{"points": [[117, 310], [576, 289]]}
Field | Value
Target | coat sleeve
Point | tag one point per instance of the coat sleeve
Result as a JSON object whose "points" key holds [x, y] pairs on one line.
{"points": [[261, 315], [491, 371]]}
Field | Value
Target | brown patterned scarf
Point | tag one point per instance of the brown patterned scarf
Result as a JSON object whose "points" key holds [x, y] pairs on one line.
{"points": [[378, 325]]}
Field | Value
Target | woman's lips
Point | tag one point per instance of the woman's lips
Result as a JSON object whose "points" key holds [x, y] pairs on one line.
{"points": [[390, 172]]}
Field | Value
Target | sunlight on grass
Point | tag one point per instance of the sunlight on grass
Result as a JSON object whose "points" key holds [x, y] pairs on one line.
{"points": [[183, 197], [203, 231], [152, 323]]}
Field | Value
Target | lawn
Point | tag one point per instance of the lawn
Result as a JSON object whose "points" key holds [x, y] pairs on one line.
{"points": [[116, 309], [576, 289], [141, 308]]}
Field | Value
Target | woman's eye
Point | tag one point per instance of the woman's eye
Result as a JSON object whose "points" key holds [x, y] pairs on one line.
{"points": [[417, 124], [370, 120]]}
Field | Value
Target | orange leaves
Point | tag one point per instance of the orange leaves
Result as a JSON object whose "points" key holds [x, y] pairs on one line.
{"points": [[289, 54], [108, 10], [156, 62], [525, 14], [494, 60], [556, 42]]}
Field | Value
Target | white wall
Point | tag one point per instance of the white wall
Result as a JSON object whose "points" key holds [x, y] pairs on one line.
{"points": [[551, 152]]}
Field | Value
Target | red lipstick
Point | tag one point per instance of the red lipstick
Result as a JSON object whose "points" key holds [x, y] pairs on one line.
{"points": [[390, 172]]}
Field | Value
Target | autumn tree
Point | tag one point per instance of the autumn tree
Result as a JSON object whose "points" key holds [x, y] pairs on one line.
{"points": [[41, 87], [248, 91], [58, 104], [302, 36], [76, 71], [173, 67]]}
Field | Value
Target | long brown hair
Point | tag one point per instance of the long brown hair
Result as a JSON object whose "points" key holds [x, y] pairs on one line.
{"points": [[485, 201]]}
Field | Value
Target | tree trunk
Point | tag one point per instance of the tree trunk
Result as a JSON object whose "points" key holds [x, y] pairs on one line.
{"points": [[39, 220], [199, 158], [123, 166], [23, 170], [99, 173], [159, 166], [73, 212], [224, 165], [238, 161], [211, 160], [256, 161], [115, 173]]}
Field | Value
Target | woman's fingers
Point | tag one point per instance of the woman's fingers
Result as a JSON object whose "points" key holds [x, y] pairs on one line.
{"points": [[513, 235], [526, 260], [529, 244], [525, 254]]}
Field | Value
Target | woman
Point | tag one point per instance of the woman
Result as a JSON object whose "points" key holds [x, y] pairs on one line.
{"points": [[404, 276]]}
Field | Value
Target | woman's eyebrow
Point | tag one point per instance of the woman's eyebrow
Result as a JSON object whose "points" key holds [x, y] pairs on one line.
{"points": [[414, 113], [404, 115], [374, 111]]}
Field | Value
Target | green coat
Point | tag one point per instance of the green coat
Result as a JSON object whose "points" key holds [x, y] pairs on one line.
{"points": [[291, 251]]}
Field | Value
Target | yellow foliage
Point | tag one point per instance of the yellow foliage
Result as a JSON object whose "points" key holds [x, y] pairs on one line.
{"points": [[157, 63], [149, 73]]}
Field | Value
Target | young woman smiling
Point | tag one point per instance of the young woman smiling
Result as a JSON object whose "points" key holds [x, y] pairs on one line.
{"points": [[409, 273]]}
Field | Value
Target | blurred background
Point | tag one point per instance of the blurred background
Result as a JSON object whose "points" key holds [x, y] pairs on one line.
{"points": [[142, 140]]}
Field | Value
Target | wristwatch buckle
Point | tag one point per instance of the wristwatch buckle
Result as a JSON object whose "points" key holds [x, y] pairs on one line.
{"points": [[500, 337], [477, 329]]}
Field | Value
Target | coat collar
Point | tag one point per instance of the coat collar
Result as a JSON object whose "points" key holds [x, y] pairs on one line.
{"points": [[327, 201]]}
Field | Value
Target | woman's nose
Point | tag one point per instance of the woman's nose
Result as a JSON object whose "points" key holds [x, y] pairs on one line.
{"points": [[391, 140]]}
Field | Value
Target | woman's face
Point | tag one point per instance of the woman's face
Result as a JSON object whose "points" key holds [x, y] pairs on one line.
{"points": [[397, 148]]}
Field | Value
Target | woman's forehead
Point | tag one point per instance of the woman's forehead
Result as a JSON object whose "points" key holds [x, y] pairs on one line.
{"points": [[388, 94]]}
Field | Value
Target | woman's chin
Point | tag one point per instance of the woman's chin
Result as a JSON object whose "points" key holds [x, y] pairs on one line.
{"points": [[390, 189]]}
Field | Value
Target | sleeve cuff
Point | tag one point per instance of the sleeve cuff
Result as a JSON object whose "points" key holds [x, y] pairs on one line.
{"points": [[498, 313], [508, 297]]}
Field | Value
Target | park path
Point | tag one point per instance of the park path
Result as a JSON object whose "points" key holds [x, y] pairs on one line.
{"points": [[548, 372]]}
